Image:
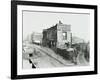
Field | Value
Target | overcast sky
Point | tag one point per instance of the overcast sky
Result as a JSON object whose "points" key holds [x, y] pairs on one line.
{"points": [[37, 21]]}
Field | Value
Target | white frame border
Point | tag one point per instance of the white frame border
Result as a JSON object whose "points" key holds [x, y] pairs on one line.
{"points": [[21, 71]]}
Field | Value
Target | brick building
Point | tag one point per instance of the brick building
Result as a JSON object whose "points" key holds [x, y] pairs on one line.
{"points": [[57, 36]]}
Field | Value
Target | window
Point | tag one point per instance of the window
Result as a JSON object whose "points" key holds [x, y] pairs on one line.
{"points": [[64, 35]]}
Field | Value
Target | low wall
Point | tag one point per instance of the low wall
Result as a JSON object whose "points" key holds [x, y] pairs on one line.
{"points": [[62, 52]]}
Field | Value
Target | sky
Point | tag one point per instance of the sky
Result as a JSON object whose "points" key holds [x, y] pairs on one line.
{"points": [[34, 21]]}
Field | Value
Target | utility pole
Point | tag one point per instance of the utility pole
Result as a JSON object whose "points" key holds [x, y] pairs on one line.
{"points": [[71, 40]]}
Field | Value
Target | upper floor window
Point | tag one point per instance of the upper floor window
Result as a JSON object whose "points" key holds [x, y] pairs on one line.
{"points": [[64, 35]]}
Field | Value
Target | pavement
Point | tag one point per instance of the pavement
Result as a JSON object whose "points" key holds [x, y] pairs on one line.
{"points": [[81, 60], [26, 64]]}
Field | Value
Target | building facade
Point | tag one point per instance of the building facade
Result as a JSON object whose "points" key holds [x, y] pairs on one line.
{"points": [[63, 35], [57, 36], [36, 37]]}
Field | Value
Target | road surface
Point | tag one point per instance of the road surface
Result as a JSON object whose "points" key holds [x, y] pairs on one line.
{"points": [[44, 57]]}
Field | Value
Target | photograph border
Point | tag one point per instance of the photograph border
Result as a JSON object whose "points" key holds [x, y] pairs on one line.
{"points": [[14, 15]]}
